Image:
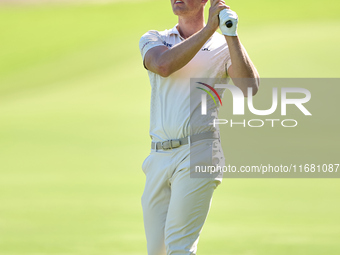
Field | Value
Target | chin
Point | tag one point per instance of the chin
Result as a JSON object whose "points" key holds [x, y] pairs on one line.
{"points": [[178, 11]]}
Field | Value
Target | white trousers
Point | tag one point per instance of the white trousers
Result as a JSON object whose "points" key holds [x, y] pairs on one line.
{"points": [[175, 205]]}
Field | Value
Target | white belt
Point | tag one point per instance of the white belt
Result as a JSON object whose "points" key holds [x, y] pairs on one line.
{"points": [[174, 143]]}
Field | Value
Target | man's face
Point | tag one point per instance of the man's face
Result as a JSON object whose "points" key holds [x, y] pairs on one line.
{"points": [[187, 7]]}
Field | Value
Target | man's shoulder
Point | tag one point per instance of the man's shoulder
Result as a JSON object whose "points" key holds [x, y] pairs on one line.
{"points": [[219, 38], [217, 41], [152, 32], [164, 33]]}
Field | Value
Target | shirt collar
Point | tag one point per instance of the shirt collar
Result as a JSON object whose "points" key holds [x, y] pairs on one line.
{"points": [[175, 31]]}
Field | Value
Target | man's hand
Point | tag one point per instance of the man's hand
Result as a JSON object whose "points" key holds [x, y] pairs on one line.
{"points": [[215, 7], [228, 22]]}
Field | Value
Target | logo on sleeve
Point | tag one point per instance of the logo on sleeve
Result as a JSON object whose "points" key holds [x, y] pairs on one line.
{"points": [[167, 44]]}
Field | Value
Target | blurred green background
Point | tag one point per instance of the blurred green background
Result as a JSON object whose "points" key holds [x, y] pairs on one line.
{"points": [[74, 116]]}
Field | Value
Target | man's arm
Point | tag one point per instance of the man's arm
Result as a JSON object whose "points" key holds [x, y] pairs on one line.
{"points": [[242, 66], [164, 61], [242, 70]]}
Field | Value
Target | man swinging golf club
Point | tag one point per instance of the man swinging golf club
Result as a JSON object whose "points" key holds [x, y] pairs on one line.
{"points": [[175, 206]]}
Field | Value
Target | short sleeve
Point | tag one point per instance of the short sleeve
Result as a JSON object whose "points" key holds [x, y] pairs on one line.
{"points": [[149, 40]]}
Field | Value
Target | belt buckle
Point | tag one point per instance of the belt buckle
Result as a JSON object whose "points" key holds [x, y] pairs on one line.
{"points": [[170, 145], [173, 143]]}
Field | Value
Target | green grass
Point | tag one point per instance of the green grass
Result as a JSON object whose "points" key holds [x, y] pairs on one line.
{"points": [[74, 112]]}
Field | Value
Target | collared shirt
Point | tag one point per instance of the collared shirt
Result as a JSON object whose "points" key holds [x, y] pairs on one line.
{"points": [[174, 108]]}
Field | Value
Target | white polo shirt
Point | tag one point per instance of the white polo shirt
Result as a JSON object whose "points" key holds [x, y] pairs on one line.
{"points": [[175, 112]]}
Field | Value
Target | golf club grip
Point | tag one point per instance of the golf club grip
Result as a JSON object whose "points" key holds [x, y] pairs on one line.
{"points": [[229, 24]]}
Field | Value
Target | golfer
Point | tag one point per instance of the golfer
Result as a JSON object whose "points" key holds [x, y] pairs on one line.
{"points": [[175, 205]]}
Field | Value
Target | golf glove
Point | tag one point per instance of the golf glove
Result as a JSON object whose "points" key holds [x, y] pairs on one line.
{"points": [[228, 22]]}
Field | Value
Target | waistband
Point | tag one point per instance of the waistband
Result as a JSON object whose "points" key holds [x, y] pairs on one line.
{"points": [[174, 143]]}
